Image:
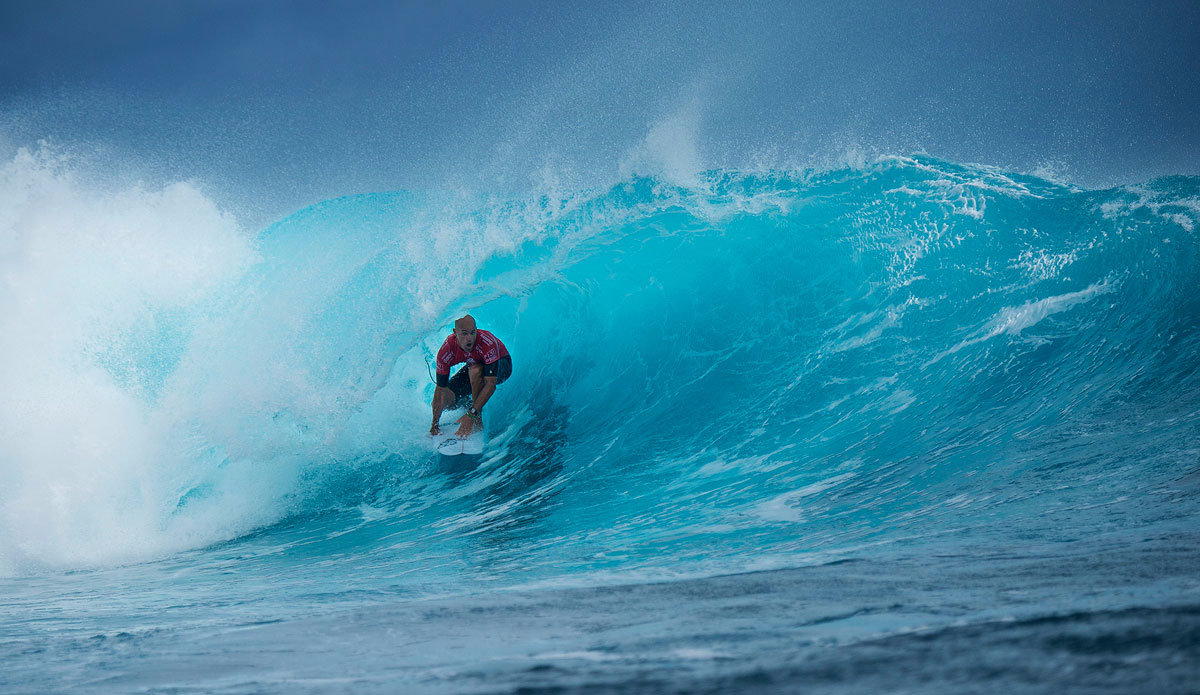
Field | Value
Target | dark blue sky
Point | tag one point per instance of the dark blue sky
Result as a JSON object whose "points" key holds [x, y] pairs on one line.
{"points": [[278, 104]]}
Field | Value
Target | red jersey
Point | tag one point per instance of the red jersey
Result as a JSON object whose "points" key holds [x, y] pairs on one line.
{"points": [[487, 350]]}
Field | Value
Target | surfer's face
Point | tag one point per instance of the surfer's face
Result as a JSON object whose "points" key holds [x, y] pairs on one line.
{"points": [[465, 338]]}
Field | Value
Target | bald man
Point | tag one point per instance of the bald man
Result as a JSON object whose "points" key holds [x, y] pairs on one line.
{"points": [[488, 365]]}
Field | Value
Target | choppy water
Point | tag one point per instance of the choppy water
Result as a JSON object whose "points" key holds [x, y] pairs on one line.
{"points": [[903, 426]]}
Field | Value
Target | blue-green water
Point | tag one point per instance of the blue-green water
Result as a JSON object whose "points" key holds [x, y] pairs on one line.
{"points": [[912, 424]]}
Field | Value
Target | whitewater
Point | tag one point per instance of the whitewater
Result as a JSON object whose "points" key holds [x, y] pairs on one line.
{"points": [[899, 424]]}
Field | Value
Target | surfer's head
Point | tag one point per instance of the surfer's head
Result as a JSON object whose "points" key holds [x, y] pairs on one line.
{"points": [[464, 332]]}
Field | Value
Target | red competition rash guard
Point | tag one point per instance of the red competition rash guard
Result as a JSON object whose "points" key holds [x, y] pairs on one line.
{"points": [[487, 349]]}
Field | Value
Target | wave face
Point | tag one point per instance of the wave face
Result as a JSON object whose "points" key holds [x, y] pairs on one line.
{"points": [[737, 371]]}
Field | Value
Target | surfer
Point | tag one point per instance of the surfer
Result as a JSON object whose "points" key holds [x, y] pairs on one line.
{"points": [[488, 365]]}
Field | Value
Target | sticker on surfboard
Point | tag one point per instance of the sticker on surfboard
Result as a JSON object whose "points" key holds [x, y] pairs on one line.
{"points": [[449, 444]]}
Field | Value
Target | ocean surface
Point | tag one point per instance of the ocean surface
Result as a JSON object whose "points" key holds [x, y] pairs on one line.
{"points": [[898, 425]]}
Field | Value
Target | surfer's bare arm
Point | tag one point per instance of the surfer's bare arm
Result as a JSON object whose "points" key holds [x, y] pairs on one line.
{"points": [[469, 423], [442, 396], [489, 387]]}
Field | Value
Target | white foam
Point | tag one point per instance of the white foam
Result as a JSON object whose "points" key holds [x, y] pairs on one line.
{"points": [[1184, 212], [784, 507], [82, 463], [1014, 320], [1040, 264]]}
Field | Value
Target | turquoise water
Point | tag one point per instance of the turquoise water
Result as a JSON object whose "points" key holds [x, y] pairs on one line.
{"points": [[910, 423]]}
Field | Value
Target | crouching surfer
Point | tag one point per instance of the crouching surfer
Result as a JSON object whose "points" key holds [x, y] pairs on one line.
{"points": [[488, 365]]}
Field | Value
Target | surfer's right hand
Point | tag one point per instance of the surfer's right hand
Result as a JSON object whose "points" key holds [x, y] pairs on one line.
{"points": [[435, 430]]}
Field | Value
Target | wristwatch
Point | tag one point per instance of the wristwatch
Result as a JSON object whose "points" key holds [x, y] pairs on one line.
{"points": [[473, 412]]}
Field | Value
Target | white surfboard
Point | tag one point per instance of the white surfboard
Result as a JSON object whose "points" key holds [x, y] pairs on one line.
{"points": [[447, 443]]}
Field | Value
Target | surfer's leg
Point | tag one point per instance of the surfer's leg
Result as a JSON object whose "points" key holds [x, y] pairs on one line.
{"points": [[461, 384], [476, 381]]}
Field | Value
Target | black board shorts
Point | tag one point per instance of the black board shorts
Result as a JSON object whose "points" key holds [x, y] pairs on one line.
{"points": [[460, 383]]}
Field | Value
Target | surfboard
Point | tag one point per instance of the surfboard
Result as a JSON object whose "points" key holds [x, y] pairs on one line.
{"points": [[449, 444]]}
